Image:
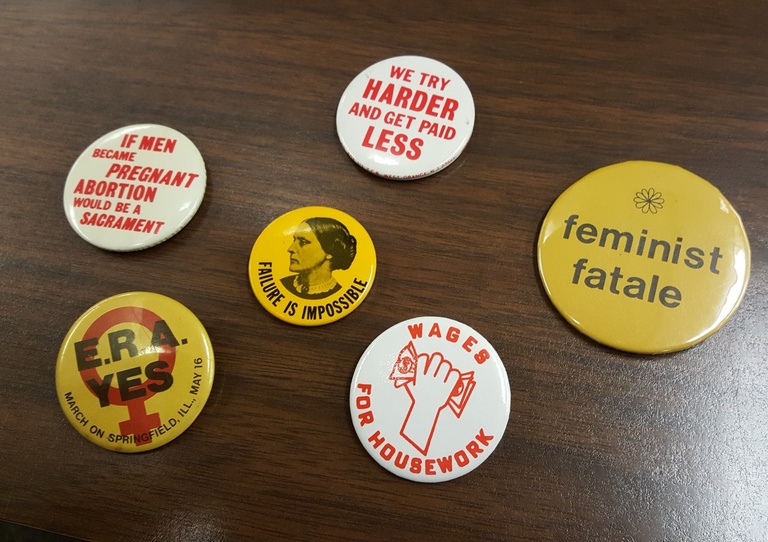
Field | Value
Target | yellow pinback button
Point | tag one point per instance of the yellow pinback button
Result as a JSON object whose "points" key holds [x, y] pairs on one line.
{"points": [[644, 257], [134, 371], [312, 266]]}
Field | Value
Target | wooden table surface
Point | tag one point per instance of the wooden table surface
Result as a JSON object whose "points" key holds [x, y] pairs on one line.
{"points": [[600, 444]]}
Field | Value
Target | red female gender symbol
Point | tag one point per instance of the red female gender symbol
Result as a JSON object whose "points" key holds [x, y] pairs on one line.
{"points": [[139, 422]]}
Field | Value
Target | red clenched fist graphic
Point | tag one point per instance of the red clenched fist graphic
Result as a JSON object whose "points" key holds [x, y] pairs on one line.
{"points": [[430, 393]]}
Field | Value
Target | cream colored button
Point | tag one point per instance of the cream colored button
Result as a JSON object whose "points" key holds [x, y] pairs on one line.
{"points": [[135, 187]]}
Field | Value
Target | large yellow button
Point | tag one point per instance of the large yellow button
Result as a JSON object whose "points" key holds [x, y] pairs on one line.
{"points": [[644, 257]]}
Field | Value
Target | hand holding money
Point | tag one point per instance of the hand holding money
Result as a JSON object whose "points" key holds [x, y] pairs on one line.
{"points": [[430, 391]]}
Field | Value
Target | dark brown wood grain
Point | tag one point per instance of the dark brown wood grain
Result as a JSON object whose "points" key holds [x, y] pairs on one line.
{"points": [[600, 445]]}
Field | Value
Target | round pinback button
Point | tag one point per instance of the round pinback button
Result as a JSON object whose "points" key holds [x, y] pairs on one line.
{"points": [[405, 117], [312, 266], [134, 371], [430, 399], [135, 187], [644, 257]]}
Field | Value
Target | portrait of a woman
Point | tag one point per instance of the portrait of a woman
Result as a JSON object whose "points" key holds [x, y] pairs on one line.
{"points": [[320, 246]]}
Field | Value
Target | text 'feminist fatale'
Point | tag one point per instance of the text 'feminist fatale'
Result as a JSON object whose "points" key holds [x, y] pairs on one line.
{"points": [[652, 290]]}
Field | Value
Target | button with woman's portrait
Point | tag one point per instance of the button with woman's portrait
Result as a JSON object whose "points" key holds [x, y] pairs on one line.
{"points": [[405, 117], [312, 266]]}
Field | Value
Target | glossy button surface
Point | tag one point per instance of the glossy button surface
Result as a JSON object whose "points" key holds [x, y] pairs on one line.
{"points": [[312, 266], [134, 371], [430, 399], [134, 187], [644, 257], [405, 117]]}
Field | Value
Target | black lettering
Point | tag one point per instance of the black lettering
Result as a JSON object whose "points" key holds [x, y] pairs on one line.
{"points": [[617, 235], [655, 243], [695, 259], [127, 384], [101, 390], [162, 334], [153, 372], [84, 354], [586, 233], [122, 340], [670, 297], [713, 262]]}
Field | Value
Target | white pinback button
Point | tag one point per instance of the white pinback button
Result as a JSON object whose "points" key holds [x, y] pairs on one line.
{"points": [[430, 399], [134, 187], [405, 117]]}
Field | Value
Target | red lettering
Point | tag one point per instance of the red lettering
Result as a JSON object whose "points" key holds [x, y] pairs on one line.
{"points": [[365, 388], [371, 89], [383, 139], [483, 438], [190, 178], [402, 97], [399, 147], [415, 330], [365, 418], [415, 151], [401, 460], [376, 439], [157, 144], [387, 451], [482, 356], [124, 169], [474, 449], [113, 169], [388, 93], [434, 102], [419, 101], [461, 458], [367, 139], [445, 463], [112, 154], [134, 172], [397, 72], [449, 108], [469, 343]]}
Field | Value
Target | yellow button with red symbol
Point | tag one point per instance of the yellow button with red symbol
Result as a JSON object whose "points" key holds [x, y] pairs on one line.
{"points": [[312, 266], [644, 257], [134, 371]]}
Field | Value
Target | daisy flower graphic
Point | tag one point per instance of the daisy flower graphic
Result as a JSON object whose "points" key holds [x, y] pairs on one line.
{"points": [[649, 201]]}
